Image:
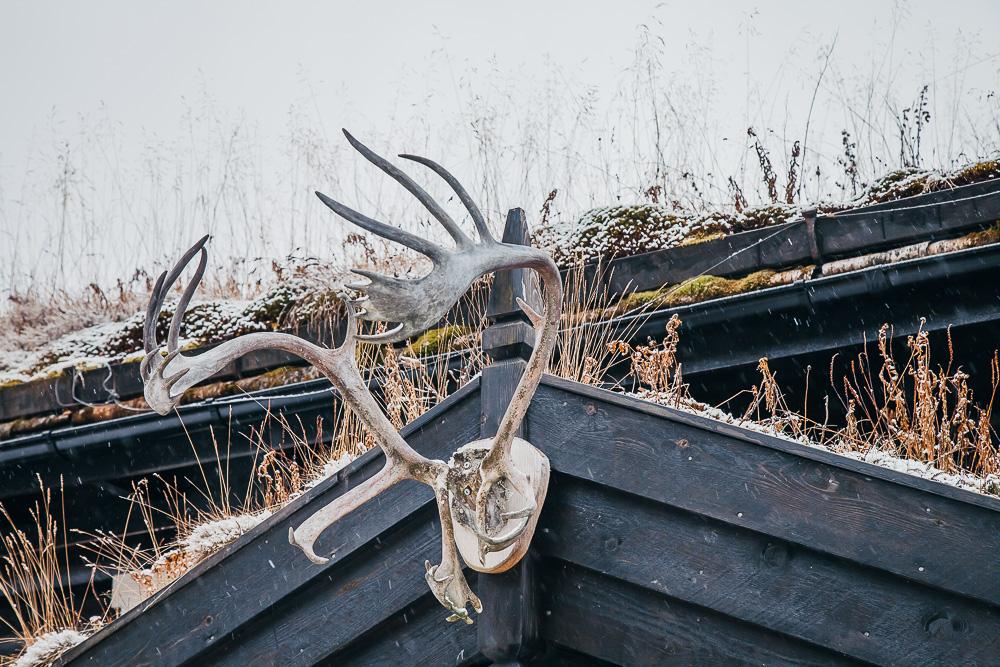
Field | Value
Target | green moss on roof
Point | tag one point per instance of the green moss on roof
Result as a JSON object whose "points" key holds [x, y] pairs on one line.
{"points": [[701, 288], [436, 341]]}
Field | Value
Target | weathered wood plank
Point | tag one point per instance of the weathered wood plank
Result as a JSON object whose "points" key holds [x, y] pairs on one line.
{"points": [[232, 587], [508, 625], [498, 382], [414, 636], [513, 284], [629, 625], [213, 603], [350, 601], [827, 601], [939, 215], [796, 493], [666, 584], [910, 220], [144, 444]]}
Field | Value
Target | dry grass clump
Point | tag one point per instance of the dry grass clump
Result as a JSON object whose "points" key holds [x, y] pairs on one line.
{"points": [[582, 350], [654, 366], [33, 317], [34, 576], [656, 373], [920, 411], [172, 525], [917, 411]]}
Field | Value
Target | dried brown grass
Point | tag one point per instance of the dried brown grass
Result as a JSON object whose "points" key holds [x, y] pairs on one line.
{"points": [[916, 410], [34, 576], [920, 410]]}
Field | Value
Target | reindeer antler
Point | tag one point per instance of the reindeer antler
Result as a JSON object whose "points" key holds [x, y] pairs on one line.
{"points": [[413, 306]]}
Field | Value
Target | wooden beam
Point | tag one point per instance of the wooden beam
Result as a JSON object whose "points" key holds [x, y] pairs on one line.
{"points": [[414, 636], [629, 625], [515, 283], [914, 219], [363, 596], [913, 527], [831, 602], [508, 626]]}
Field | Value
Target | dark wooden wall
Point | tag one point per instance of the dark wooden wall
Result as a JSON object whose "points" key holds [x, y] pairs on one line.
{"points": [[667, 538]]}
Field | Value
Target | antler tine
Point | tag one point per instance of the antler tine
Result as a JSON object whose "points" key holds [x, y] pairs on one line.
{"points": [[537, 321], [175, 322], [152, 312], [424, 247], [470, 205], [159, 295], [377, 289], [305, 536], [393, 335], [399, 176], [175, 272], [350, 337]]}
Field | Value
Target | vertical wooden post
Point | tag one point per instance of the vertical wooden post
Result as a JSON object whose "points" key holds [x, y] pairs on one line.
{"points": [[809, 215], [508, 626]]}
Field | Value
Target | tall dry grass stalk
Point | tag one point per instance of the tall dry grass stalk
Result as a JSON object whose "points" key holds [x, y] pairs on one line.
{"points": [[35, 575], [655, 372], [94, 202], [916, 410], [920, 411], [585, 349], [769, 407]]}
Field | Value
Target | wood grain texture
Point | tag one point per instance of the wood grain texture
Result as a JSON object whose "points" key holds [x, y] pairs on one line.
{"points": [[629, 625], [414, 636], [370, 586], [667, 539], [827, 601], [243, 580], [873, 516]]}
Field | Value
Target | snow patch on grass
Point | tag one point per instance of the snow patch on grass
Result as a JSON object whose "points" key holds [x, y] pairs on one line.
{"points": [[618, 231], [205, 322], [212, 536], [330, 468], [988, 485], [46, 648]]}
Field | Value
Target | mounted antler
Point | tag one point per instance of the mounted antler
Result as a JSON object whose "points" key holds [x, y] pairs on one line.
{"points": [[490, 493]]}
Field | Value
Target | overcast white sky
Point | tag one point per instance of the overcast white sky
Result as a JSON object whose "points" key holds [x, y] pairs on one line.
{"points": [[140, 59], [138, 65]]}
